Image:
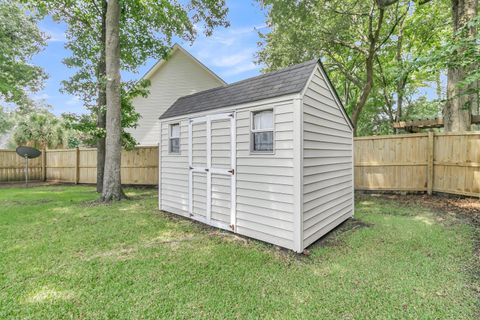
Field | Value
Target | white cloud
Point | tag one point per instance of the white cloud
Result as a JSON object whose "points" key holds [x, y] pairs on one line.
{"points": [[242, 68], [235, 59], [40, 96], [229, 52], [73, 101], [54, 35]]}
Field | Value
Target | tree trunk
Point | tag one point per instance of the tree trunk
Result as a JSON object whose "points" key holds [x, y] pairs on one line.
{"points": [[101, 101], [457, 110], [112, 188], [373, 36], [400, 81], [367, 88]]}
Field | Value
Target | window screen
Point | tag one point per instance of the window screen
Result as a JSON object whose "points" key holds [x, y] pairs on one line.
{"points": [[174, 139], [262, 131]]}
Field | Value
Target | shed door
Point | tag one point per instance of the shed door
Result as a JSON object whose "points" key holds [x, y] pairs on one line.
{"points": [[212, 154]]}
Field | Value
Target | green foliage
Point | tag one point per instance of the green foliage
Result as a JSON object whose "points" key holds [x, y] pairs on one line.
{"points": [[87, 123], [36, 126], [146, 31], [339, 32], [20, 39], [40, 130], [461, 51], [6, 121]]}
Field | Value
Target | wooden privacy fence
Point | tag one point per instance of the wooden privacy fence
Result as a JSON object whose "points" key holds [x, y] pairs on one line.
{"points": [[428, 162], [441, 162], [139, 166], [12, 167]]}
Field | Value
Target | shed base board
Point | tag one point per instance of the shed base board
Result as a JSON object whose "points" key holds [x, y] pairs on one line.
{"points": [[323, 232]]}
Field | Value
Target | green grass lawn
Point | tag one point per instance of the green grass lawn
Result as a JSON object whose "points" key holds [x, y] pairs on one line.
{"points": [[62, 256]]}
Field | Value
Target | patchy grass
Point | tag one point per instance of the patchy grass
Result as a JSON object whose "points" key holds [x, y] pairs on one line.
{"points": [[63, 256]]}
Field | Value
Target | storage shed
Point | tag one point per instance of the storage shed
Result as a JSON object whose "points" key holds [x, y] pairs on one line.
{"points": [[270, 157]]}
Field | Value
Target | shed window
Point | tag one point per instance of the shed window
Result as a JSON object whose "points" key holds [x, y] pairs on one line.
{"points": [[174, 138], [262, 131]]}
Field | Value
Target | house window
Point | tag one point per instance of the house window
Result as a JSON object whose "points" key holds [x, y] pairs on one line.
{"points": [[174, 138], [262, 131]]}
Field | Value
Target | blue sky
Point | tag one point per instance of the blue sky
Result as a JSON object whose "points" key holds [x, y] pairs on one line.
{"points": [[229, 52]]}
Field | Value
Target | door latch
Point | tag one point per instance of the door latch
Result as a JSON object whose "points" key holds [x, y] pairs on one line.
{"points": [[207, 170], [232, 171]]}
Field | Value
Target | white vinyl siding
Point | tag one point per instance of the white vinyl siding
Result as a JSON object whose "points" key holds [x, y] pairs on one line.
{"points": [[327, 162], [174, 172], [179, 76], [265, 201]]}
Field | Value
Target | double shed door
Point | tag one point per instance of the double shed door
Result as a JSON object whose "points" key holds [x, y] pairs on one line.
{"points": [[212, 160]]}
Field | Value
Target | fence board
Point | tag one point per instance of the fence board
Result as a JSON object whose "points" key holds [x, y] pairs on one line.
{"points": [[443, 162], [12, 167]]}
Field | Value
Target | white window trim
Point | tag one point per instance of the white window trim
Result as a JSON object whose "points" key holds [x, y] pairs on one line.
{"points": [[252, 131], [170, 137]]}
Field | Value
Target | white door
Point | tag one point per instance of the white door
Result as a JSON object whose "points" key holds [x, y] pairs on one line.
{"points": [[212, 160]]}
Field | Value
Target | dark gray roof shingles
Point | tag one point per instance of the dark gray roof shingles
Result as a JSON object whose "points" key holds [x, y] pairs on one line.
{"points": [[270, 85]]}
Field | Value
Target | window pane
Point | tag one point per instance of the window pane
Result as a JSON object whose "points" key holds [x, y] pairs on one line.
{"points": [[175, 130], [175, 145], [263, 141], [263, 120]]}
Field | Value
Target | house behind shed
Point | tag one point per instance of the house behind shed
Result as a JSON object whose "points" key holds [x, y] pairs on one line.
{"points": [[270, 157]]}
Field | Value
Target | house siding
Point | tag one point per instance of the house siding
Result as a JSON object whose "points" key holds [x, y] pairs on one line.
{"points": [[174, 172], [179, 76], [327, 161], [265, 192]]}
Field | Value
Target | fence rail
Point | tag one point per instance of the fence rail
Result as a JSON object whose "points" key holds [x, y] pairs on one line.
{"points": [[440, 162]]}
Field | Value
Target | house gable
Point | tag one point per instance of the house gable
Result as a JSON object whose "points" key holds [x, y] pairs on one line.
{"points": [[179, 75]]}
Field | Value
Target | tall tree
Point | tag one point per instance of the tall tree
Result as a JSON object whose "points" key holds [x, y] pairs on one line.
{"points": [[102, 98], [460, 95], [463, 79], [112, 187], [146, 31], [20, 39], [371, 48], [402, 67], [349, 34]]}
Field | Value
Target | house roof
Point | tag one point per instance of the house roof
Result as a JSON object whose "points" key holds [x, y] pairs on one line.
{"points": [[176, 47], [270, 85]]}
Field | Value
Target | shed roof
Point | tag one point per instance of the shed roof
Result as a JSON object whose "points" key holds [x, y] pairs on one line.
{"points": [[270, 85]]}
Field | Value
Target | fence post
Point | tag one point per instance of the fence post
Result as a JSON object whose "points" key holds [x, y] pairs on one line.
{"points": [[44, 165], [77, 165], [430, 151]]}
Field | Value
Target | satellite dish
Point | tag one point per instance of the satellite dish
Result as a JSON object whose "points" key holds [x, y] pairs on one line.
{"points": [[27, 153]]}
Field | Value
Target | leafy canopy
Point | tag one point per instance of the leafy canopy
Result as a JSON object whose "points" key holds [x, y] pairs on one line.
{"points": [[20, 39], [340, 32]]}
